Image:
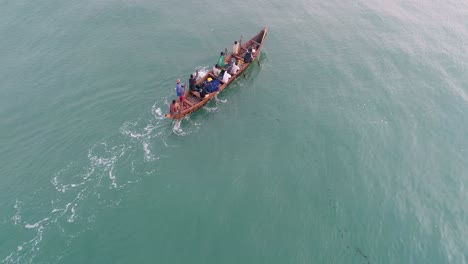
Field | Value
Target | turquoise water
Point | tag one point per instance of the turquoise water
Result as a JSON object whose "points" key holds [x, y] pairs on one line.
{"points": [[347, 144]]}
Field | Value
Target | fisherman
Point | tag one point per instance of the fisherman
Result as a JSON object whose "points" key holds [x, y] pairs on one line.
{"points": [[193, 81], [235, 48], [221, 60], [216, 70], [226, 76], [203, 91], [232, 60], [174, 108], [254, 49], [248, 56], [234, 68], [180, 89]]}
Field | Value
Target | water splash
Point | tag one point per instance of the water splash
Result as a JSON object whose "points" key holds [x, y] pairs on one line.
{"points": [[202, 71], [177, 129], [210, 109], [221, 101]]}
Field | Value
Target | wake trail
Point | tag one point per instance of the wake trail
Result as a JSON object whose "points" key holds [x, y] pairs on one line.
{"points": [[96, 180], [84, 186]]}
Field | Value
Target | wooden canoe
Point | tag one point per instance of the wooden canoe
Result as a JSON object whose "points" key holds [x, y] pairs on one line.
{"points": [[193, 102]]}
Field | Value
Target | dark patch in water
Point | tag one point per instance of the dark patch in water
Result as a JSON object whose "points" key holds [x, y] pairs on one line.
{"points": [[359, 251], [343, 232]]}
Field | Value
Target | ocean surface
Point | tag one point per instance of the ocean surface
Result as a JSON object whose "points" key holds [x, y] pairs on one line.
{"points": [[347, 144]]}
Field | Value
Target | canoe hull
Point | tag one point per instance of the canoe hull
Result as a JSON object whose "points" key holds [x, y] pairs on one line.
{"points": [[193, 103]]}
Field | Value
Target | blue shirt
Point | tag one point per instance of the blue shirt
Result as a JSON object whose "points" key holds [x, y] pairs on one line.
{"points": [[179, 90]]}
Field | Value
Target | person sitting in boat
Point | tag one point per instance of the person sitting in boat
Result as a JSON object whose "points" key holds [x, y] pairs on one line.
{"points": [[216, 70], [234, 68], [254, 50], [192, 82], [233, 59], [248, 56], [180, 89], [235, 48], [203, 92], [226, 77], [174, 108], [231, 62]]}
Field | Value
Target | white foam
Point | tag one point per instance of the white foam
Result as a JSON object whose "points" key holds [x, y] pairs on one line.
{"points": [[112, 178], [460, 92], [210, 109], [63, 210], [31, 226], [37, 224], [150, 172], [147, 151], [176, 129], [73, 185], [17, 217], [202, 71], [158, 111], [180, 132], [177, 125], [86, 179], [72, 216], [58, 187]]}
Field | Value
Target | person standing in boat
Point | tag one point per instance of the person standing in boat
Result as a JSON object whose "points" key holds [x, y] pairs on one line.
{"points": [[235, 48], [180, 90]]}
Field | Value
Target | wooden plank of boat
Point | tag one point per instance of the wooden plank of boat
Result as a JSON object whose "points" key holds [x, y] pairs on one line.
{"points": [[195, 102]]}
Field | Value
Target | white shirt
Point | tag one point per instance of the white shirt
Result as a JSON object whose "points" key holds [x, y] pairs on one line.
{"points": [[234, 69], [235, 48], [215, 71], [226, 77]]}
